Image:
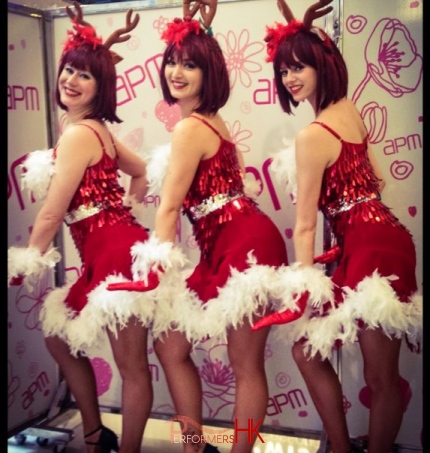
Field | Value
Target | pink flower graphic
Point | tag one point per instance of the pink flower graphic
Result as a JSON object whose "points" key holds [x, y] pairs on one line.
{"points": [[160, 24], [134, 139], [30, 304], [364, 395], [346, 404], [238, 135], [375, 118], [103, 373], [392, 60], [218, 380], [238, 52], [169, 115], [13, 384]]}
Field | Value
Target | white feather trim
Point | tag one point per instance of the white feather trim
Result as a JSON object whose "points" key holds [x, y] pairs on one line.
{"points": [[252, 187], [374, 302], [105, 309], [29, 263], [293, 280], [157, 161], [245, 294], [38, 169], [284, 167]]}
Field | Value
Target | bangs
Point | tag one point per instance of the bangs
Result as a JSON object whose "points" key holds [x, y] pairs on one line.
{"points": [[191, 49], [286, 55], [77, 59], [299, 50]]}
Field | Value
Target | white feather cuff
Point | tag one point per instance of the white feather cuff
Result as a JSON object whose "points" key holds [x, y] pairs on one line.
{"points": [[30, 264], [284, 167], [157, 161], [151, 254], [38, 169], [252, 187]]}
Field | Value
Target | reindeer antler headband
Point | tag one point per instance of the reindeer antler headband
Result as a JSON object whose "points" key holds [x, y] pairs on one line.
{"points": [[84, 33], [276, 34], [178, 29]]}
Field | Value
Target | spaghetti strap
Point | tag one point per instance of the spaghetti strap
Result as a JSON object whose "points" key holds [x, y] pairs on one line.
{"points": [[100, 139], [329, 129], [97, 134], [208, 125], [114, 146]]}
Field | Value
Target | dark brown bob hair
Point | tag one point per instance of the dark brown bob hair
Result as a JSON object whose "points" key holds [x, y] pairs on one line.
{"points": [[204, 51], [98, 61], [306, 48]]}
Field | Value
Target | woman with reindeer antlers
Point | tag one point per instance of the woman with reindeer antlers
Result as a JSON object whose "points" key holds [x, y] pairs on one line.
{"points": [[240, 246], [375, 284], [79, 178]]}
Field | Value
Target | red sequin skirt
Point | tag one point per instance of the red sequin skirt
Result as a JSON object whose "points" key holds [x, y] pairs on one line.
{"points": [[254, 232]]}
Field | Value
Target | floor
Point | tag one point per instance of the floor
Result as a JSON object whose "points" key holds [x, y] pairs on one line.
{"points": [[66, 436]]}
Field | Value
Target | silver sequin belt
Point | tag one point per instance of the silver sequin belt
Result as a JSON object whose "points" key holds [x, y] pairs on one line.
{"points": [[345, 206], [83, 212], [211, 204]]}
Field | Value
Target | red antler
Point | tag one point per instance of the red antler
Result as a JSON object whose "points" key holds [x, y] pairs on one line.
{"points": [[117, 35], [312, 12], [190, 7], [79, 16], [285, 10], [207, 9]]}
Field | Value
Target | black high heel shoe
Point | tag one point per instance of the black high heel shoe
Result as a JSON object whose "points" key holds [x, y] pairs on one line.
{"points": [[108, 440], [210, 449]]}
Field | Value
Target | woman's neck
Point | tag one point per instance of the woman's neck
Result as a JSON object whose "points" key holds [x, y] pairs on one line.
{"points": [[187, 107], [75, 116]]}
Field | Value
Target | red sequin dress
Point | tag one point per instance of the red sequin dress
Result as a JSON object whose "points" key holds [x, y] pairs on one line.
{"points": [[370, 235], [240, 245], [103, 230], [375, 276]]}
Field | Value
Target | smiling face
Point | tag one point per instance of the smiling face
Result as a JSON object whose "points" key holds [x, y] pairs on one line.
{"points": [[304, 63], [184, 79], [77, 88], [196, 72], [300, 81]]}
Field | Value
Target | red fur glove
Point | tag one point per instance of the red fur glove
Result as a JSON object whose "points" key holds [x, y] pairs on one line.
{"points": [[329, 256], [16, 281], [153, 281], [283, 317]]}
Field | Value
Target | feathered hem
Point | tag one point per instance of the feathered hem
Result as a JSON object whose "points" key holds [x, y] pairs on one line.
{"points": [[245, 293], [373, 304], [104, 310]]}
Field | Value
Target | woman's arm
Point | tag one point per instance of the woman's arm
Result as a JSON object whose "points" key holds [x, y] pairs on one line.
{"points": [[311, 161], [134, 166], [186, 153], [73, 157]]}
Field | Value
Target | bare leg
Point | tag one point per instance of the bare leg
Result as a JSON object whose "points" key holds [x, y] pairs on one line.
{"points": [[80, 379], [246, 355], [381, 373], [130, 354], [184, 383], [326, 393]]}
